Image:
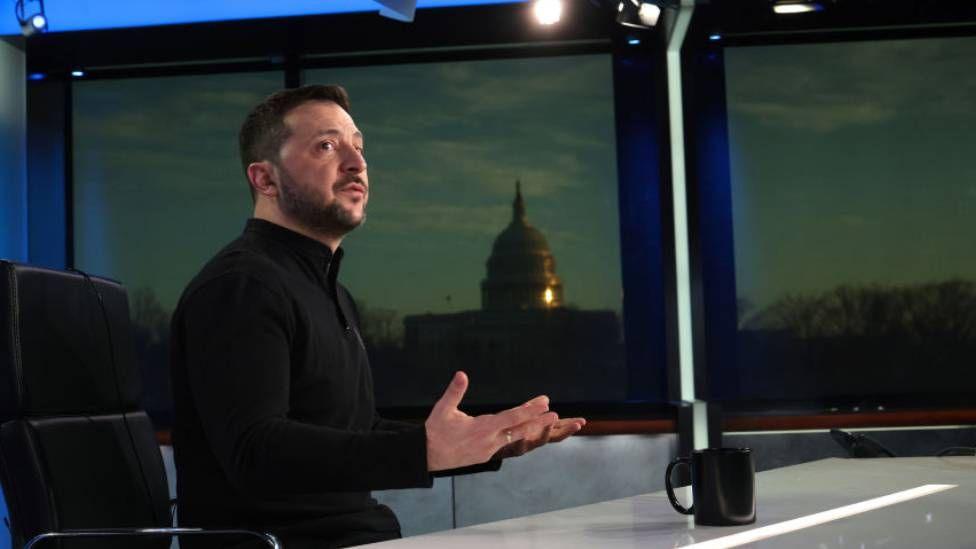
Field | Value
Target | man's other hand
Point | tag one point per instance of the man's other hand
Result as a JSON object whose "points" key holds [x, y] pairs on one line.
{"points": [[455, 439], [557, 432]]}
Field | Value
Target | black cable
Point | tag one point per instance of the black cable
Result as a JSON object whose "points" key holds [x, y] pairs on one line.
{"points": [[20, 10], [118, 388], [860, 446]]}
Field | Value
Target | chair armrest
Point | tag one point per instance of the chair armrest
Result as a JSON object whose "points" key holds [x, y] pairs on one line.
{"points": [[269, 539]]}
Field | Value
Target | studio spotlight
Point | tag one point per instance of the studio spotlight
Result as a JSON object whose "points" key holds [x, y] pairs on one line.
{"points": [[30, 15], [638, 14], [789, 7], [547, 12]]}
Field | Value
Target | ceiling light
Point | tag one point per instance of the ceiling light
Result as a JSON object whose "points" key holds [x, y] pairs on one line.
{"points": [[547, 12], [638, 14], [649, 13], [30, 15]]}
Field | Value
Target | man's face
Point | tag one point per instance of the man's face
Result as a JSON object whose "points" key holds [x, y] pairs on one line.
{"points": [[321, 170]]}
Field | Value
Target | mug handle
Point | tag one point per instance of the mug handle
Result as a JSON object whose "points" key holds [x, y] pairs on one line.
{"points": [[667, 484]]}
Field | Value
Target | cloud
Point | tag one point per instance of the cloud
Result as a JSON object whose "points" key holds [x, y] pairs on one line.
{"points": [[454, 136], [491, 86], [827, 87], [568, 239], [450, 130], [852, 220], [490, 165], [180, 132], [451, 219], [823, 117]]}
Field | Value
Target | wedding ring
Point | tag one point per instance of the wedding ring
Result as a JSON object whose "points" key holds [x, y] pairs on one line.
{"points": [[508, 435]]}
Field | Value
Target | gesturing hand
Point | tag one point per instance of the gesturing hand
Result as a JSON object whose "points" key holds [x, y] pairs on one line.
{"points": [[534, 438], [455, 439]]}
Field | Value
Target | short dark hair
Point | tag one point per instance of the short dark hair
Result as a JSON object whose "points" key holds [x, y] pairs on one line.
{"points": [[264, 130]]}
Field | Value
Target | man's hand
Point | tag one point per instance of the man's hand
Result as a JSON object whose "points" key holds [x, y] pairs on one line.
{"points": [[557, 432], [455, 439]]}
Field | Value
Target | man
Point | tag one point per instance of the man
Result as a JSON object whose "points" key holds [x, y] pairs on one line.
{"points": [[276, 428]]}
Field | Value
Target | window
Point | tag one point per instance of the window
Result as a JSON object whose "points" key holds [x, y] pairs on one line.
{"points": [[492, 241], [853, 199], [158, 189]]}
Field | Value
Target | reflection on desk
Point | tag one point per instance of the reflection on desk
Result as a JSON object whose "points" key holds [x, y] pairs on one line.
{"points": [[931, 518]]}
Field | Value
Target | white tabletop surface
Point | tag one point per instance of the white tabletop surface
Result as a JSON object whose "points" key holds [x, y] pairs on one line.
{"points": [[946, 519]]}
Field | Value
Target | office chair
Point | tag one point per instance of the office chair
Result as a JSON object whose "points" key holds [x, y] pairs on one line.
{"points": [[79, 463]]}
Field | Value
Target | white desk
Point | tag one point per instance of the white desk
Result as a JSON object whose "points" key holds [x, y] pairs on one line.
{"points": [[946, 519]]}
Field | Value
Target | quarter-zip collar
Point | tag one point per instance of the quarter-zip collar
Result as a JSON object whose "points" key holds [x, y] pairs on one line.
{"points": [[323, 261]]}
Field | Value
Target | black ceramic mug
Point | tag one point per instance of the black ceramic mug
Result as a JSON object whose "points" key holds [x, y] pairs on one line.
{"points": [[723, 486]]}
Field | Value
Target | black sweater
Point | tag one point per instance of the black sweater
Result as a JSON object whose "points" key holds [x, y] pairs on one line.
{"points": [[276, 428]]}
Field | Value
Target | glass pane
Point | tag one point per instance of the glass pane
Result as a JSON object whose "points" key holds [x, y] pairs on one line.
{"points": [[158, 189], [854, 206], [453, 269]]}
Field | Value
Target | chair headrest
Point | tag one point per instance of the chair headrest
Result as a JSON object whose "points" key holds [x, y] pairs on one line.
{"points": [[65, 344]]}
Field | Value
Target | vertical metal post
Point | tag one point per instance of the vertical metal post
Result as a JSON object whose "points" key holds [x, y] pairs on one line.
{"points": [[686, 359]]}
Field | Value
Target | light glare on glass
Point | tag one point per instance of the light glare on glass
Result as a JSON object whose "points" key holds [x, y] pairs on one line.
{"points": [[548, 12]]}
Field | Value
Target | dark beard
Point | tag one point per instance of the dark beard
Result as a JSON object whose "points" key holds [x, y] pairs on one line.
{"points": [[307, 210]]}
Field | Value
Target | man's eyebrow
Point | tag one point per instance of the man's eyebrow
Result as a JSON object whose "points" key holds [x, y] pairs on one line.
{"points": [[332, 131]]}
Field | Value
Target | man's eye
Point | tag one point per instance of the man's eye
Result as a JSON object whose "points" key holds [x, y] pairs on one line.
{"points": [[327, 146]]}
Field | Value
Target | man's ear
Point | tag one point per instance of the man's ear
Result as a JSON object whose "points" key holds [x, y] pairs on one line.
{"points": [[263, 178]]}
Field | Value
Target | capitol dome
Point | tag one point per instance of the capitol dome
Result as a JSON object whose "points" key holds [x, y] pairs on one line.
{"points": [[521, 269]]}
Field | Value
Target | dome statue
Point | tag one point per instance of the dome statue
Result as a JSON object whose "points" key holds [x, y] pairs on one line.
{"points": [[521, 269]]}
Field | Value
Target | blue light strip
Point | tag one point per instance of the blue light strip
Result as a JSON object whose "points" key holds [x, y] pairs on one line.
{"points": [[76, 15]]}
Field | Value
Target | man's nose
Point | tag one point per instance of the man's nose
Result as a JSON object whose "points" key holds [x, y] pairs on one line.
{"points": [[354, 161]]}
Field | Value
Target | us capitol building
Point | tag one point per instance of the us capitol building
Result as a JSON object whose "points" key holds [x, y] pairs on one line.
{"points": [[523, 341]]}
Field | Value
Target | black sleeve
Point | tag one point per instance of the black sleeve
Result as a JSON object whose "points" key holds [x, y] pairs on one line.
{"points": [[399, 426], [237, 332], [383, 424], [488, 466]]}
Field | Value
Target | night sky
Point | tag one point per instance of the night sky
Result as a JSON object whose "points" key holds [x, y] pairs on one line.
{"points": [[159, 189], [852, 163]]}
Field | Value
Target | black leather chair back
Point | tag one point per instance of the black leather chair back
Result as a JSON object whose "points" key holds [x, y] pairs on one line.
{"points": [[76, 451]]}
